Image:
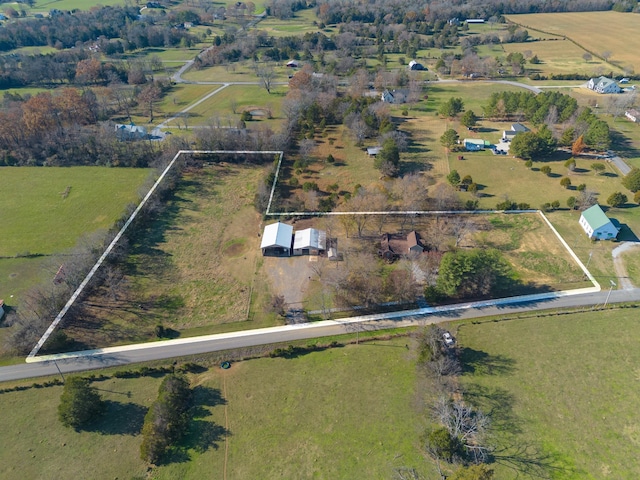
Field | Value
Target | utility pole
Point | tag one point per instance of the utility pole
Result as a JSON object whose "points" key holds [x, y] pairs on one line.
{"points": [[613, 284]]}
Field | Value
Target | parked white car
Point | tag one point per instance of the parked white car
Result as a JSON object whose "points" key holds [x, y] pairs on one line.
{"points": [[448, 339]]}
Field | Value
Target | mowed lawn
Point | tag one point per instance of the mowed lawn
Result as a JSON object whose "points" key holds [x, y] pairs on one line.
{"points": [[565, 387], [597, 32], [38, 218], [346, 412]]}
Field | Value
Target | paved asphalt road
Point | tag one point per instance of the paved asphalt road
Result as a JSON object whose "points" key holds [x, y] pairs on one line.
{"points": [[213, 343]]}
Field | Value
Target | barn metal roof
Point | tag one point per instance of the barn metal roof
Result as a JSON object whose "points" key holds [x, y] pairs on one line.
{"points": [[310, 238], [277, 235]]}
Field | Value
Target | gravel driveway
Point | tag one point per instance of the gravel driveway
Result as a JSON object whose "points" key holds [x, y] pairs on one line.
{"points": [[289, 276]]}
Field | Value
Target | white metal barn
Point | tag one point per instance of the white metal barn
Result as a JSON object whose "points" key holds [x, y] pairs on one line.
{"points": [[277, 239], [309, 242]]}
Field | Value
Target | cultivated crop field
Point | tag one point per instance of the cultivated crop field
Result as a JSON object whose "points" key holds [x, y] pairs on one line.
{"points": [[597, 32], [349, 412], [564, 386], [191, 269]]}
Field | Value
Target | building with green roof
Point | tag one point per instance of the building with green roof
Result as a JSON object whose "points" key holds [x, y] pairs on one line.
{"points": [[597, 225]]}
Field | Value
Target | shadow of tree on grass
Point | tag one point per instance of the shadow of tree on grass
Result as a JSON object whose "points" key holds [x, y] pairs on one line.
{"points": [[119, 419]]}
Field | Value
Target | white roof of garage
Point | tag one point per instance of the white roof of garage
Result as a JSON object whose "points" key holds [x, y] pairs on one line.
{"points": [[310, 238], [277, 235]]}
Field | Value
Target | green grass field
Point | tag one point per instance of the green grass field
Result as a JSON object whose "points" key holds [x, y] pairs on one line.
{"points": [[37, 218], [594, 31], [565, 387], [349, 412], [45, 6]]}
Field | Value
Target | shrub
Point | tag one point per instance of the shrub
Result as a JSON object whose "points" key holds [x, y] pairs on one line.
{"points": [[330, 159], [79, 403], [565, 182], [617, 199], [246, 116], [546, 170]]}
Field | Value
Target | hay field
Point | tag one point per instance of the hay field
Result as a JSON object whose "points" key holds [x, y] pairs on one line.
{"points": [[595, 31]]}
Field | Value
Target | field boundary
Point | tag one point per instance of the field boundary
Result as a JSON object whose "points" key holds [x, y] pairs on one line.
{"points": [[54, 324]]}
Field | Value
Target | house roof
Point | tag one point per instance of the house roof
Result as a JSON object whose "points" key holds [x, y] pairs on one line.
{"points": [[310, 238], [412, 240], [602, 82], [277, 235], [518, 127], [595, 217], [373, 150]]}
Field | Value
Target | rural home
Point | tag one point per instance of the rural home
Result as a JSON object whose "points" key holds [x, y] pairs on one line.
{"points": [[597, 225], [519, 128], [474, 144], [393, 247], [633, 115], [309, 242], [413, 65], [507, 135], [395, 96], [603, 85], [277, 240], [130, 132]]}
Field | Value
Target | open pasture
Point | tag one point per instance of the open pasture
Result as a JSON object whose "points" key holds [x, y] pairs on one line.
{"points": [[44, 6], [564, 386], [349, 412], [191, 269], [597, 32], [46, 210], [220, 107]]}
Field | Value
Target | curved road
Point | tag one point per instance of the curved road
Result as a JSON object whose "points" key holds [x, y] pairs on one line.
{"points": [[114, 356]]}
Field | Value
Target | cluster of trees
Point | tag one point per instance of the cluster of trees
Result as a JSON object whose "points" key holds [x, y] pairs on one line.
{"points": [[63, 128], [168, 418], [66, 30], [80, 404], [589, 129], [534, 145], [545, 107], [461, 434], [474, 273], [414, 14]]}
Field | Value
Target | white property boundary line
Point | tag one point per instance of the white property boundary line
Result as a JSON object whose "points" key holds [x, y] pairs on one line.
{"points": [[317, 325], [423, 311], [115, 240]]}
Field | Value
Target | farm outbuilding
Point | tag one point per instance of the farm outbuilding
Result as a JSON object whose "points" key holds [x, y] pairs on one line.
{"points": [[413, 243], [309, 242], [474, 144], [277, 240], [413, 65], [597, 225]]}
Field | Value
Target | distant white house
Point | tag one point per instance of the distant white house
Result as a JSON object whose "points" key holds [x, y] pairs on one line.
{"points": [[507, 135], [395, 96], [130, 132], [474, 20], [597, 225], [603, 85], [277, 240], [309, 242], [633, 115]]}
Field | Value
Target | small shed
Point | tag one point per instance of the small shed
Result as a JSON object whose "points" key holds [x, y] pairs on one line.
{"points": [[597, 225], [293, 64], [277, 240], [373, 151], [473, 144], [309, 242]]}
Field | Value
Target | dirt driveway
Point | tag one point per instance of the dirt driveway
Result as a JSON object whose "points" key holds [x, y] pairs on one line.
{"points": [[618, 264], [289, 276]]}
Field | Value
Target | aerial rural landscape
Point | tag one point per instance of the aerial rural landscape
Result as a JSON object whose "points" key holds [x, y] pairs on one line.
{"points": [[319, 239]]}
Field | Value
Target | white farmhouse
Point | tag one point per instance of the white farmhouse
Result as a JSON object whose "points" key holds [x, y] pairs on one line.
{"points": [[603, 85], [597, 225]]}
